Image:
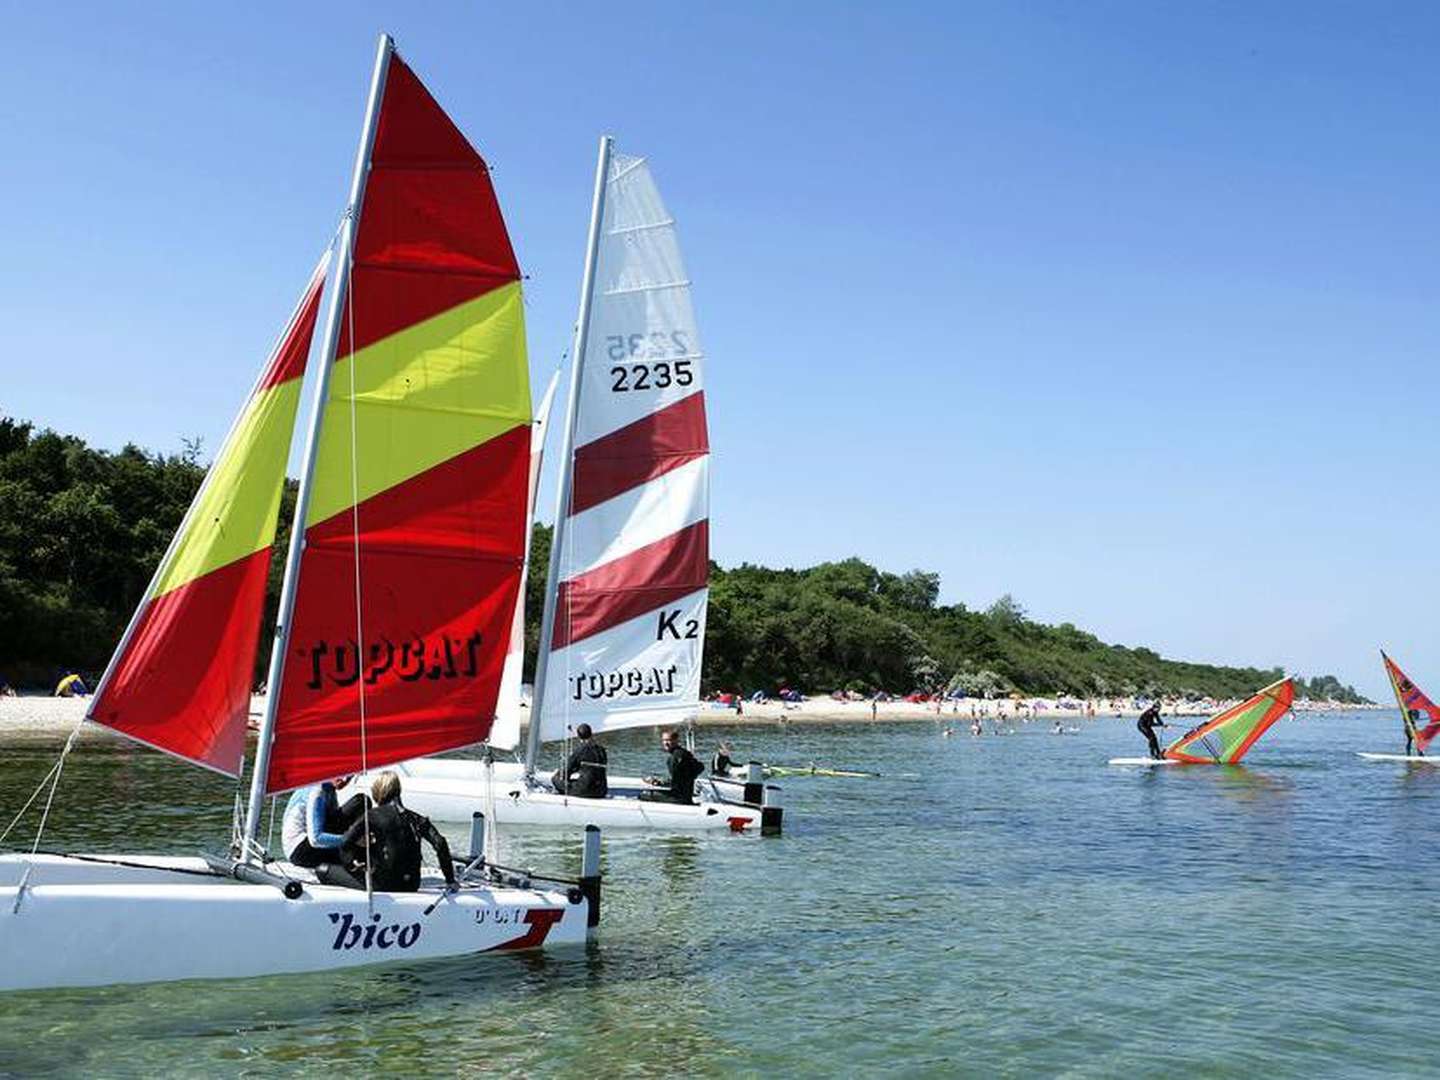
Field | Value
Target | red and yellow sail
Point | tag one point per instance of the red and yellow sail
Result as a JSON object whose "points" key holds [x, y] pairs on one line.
{"points": [[415, 532], [1420, 715], [180, 680], [1226, 738]]}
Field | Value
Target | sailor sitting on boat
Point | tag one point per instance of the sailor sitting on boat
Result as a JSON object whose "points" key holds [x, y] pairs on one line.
{"points": [[722, 762], [684, 768], [315, 824], [584, 774], [388, 840]]}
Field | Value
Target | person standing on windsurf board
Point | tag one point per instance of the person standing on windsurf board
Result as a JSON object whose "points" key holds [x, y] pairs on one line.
{"points": [[1148, 722]]}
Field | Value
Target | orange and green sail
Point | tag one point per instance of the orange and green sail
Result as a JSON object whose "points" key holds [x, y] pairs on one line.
{"points": [[415, 533], [180, 680], [1226, 738], [1419, 714]]}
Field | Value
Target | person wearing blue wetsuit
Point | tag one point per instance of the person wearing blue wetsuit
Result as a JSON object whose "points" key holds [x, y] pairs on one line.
{"points": [[315, 823]]}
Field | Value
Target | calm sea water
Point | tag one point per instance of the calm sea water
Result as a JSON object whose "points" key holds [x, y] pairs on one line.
{"points": [[990, 906]]}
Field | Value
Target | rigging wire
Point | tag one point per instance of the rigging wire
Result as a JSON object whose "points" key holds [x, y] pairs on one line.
{"points": [[355, 534]]}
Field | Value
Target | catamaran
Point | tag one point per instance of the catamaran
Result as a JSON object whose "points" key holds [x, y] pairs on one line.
{"points": [[1415, 710], [623, 629], [400, 587], [1227, 737]]}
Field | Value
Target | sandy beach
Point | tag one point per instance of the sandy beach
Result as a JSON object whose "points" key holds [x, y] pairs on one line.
{"points": [[46, 718]]}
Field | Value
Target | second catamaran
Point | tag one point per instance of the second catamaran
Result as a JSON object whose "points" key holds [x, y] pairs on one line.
{"points": [[623, 632]]}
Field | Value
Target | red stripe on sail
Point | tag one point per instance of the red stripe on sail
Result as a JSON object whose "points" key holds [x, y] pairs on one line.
{"points": [[431, 235], [289, 359], [636, 453], [646, 579], [183, 684], [439, 571]]}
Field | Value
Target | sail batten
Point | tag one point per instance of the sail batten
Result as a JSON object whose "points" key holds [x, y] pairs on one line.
{"points": [[180, 680], [1228, 737], [626, 637], [414, 535]]}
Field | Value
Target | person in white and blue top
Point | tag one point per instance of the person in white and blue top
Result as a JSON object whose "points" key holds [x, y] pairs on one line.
{"points": [[315, 824]]}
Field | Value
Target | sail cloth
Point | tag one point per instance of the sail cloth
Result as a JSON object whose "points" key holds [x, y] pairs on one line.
{"points": [[180, 680], [414, 538], [505, 733], [1225, 739], [1419, 714], [629, 625]]}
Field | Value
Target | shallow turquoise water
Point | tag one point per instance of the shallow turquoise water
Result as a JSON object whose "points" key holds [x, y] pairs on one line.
{"points": [[991, 906]]}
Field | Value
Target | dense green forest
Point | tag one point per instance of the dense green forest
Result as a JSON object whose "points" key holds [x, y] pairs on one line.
{"points": [[81, 531]]}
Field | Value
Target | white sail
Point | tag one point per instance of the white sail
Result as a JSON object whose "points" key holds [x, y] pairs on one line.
{"points": [[505, 733], [629, 611]]}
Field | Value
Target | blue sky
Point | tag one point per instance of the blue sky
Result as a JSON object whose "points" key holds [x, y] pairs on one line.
{"points": [[1127, 309]]}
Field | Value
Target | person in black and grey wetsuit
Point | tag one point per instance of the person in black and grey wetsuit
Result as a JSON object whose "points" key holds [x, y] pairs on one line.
{"points": [[387, 839], [1148, 722], [584, 774]]}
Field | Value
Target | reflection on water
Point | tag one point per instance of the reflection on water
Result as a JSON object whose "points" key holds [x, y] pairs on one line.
{"points": [[988, 906]]}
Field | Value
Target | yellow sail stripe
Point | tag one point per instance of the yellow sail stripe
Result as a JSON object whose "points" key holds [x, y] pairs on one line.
{"points": [[234, 515], [422, 396]]}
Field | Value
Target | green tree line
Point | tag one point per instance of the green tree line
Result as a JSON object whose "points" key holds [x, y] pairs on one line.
{"points": [[81, 531]]}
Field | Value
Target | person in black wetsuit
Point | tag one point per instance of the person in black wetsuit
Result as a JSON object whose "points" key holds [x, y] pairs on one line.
{"points": [[1148, 722], [722, 762], [1412, 718], [684, 768], [584, 774], [387, 839]]}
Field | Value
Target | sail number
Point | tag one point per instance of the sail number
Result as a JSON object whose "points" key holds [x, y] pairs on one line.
{"points": [[667, 355]]}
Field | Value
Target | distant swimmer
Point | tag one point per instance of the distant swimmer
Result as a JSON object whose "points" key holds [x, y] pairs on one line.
{"points": [[1148, 722], [1059, 730], [976, 728]]}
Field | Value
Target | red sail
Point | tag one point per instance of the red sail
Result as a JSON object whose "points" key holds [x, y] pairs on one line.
{"points": [[181, 679], [415, 533]]}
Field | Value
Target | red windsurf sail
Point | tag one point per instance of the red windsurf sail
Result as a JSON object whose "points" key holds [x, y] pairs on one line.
{"points": [[180, 680], [1420, 715], [415, 532]]}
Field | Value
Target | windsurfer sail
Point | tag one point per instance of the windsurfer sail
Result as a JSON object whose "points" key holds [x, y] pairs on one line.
{"points": [[1226, 738], [1418, 713]]}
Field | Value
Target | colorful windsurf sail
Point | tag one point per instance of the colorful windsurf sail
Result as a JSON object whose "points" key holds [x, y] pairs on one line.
{"points": [[628, 619], [505, 733], [1419, 714], [415, 530], [1226, 738], [180, 680]]}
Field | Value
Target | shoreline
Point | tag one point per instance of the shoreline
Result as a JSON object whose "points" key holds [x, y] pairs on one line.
{"points": [[41, 718]]}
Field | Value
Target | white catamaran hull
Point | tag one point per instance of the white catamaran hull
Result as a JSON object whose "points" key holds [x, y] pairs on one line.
{"points": [[75, 922], [446, 789], [1414, 759]]}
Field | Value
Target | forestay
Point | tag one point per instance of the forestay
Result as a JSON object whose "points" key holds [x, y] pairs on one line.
{"points": [[415, 529], [180, 678], [628, 625]]}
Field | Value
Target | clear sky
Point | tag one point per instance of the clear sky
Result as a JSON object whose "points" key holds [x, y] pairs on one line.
{"points": [[1128, 309]]}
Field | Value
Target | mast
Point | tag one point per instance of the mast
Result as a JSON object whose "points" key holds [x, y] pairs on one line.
{"points": [[567, 454], [343, 256]]}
